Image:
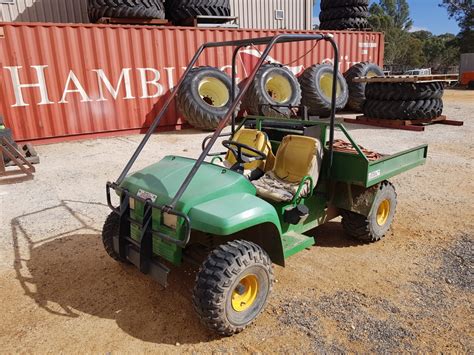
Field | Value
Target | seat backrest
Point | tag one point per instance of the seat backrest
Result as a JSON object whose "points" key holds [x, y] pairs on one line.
{"points": [[255, 139], [297, 157]]}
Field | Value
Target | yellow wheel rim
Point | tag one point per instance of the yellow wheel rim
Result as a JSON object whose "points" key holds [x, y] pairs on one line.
{"points": [[325, 83], [213, 92], [383, 212], [245, 293], [279, 88]]}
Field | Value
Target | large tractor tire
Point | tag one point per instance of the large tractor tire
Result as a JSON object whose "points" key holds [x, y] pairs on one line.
{"points": [[357, 90], [181, 10], [352, 23], [149, 9], [205, 97], [232, 286], [274, 84], [329, 4], [109, 231], [404, 110], [404, 91], [374, 227], [316, 85], [344, 12]]}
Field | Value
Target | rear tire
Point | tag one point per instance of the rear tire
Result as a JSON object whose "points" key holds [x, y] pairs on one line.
{"points": [[316, 85], [357, 95], [374, 227], [233, 286], [205, 97], [150, 9], [274, 84], [109, 231]]}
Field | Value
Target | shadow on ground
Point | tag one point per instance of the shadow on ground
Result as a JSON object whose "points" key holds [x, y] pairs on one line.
{"points": [[70, 274]]}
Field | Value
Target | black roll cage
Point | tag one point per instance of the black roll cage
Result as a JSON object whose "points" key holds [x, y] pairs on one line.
{"points": [[230, 116]]}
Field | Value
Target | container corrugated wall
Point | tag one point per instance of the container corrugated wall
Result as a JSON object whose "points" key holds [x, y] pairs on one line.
{"points": [[295, 14], [62, 11], [69, 80]]}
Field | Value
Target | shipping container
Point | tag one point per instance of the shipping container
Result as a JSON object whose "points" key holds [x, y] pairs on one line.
{"points": [[63, 81], [268, 14]]}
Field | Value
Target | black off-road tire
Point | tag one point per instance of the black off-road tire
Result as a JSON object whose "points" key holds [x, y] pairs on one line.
{"points": [[357, 94], [329, 4], [149, 9], [258, 93], [343, 12], [470, 85], [404, 91], [109, 231], [318, 103], [404, 110], [218, 278], [367, 229], [353, 23], [180, 10], [198, 111]]}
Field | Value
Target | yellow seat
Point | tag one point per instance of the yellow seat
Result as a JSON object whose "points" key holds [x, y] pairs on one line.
{"points": [[298, 158], [255, 139]]}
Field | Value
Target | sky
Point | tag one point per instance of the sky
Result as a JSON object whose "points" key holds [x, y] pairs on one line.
{"points": [[426, 15]]}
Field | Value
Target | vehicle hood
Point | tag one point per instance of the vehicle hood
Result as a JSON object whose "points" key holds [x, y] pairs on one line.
{"points": [[164, 178]]}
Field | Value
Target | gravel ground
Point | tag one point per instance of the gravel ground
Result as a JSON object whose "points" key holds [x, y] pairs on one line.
{"points": [[412, 291]]}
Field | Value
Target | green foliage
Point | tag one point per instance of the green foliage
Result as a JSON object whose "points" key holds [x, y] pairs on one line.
{"points": [[463, 12], [417, 49]]}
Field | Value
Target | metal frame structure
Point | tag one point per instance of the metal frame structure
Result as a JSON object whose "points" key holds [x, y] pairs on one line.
{"points": [[270, 43]]}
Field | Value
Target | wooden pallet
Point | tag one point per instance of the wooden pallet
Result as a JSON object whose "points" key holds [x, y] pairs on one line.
{"points": [[407, 78], [407, 125], [17, 160], [133, 21]]}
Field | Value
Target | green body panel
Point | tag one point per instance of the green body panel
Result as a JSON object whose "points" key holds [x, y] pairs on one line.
{"points": [[230, 214], [294, 242], [218, 201], [354, 169]]}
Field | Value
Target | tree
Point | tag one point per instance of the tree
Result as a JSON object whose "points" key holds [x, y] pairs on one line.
{"points": [[393, 18], [463, 12], [439, 52]]}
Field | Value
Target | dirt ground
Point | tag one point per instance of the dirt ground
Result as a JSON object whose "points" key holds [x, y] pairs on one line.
{"points": [[413, 291]]}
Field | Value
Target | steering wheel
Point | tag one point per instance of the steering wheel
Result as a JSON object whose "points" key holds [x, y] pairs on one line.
{"points": [[242, 157]]}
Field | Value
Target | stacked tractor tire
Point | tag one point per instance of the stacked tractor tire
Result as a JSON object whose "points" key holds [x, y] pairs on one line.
{"points": [[404, 101], [142, 9], [177, 11], [344, 15]]}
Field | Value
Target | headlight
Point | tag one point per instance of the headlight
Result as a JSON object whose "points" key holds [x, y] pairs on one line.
{"points": [[170, 220], [131, 203]]}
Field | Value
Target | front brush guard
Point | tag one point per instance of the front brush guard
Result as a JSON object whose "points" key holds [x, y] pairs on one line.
{"points": [[141, 253]]}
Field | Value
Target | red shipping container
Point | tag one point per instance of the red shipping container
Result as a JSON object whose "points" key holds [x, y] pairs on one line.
{"points": [[60, 82]]}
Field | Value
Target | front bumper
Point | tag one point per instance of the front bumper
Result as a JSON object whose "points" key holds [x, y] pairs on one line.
{"points": [[140, 253]]}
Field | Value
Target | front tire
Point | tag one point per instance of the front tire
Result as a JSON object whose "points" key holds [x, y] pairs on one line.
{"points": [[233, 286], [373, 227], [109, 231]]}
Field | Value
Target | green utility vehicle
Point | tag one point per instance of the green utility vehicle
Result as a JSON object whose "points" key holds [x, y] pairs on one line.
{"points": [[251, 205]]}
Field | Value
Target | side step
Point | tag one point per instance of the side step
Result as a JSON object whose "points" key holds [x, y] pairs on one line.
{"points": [[294, 242]]}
